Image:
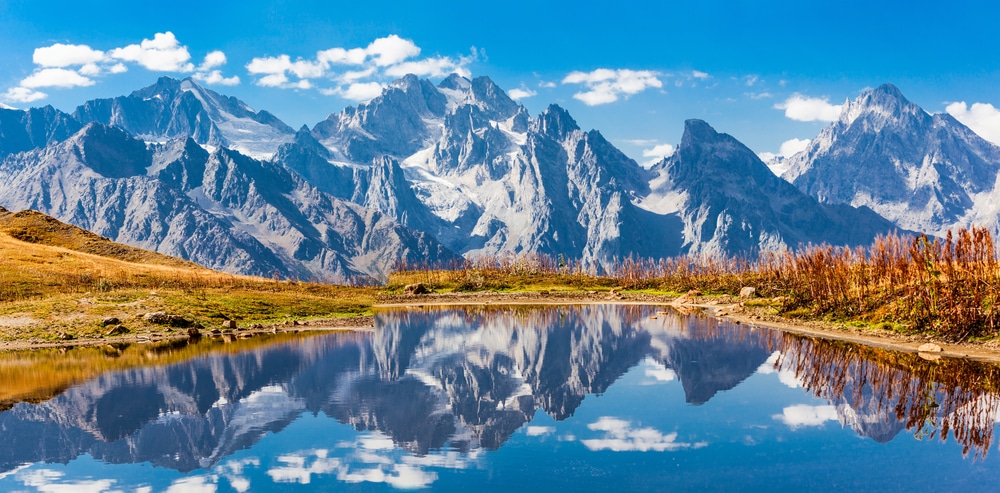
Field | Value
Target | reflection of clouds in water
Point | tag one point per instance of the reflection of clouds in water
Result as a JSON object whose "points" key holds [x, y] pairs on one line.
{"points": [[14, 471], [50, 481], [536, 431], [194, 484], [295, 469], [801, 415], [658, 372], [371, 458], [619, 436], [233, 472], [786, 377]]}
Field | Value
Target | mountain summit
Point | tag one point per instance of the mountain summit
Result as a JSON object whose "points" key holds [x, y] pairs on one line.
{"points": [[923, 172], [731, 203], [172, 109]]}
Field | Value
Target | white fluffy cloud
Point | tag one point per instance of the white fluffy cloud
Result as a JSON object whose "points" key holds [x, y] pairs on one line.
{"points": [[56, 77], [163, 53], [520, 93], [391, 50], [982, 118], [806, 109], [658, 153], [212, 60], [792, 147], [216, 77], [607, 85], [72, 65], [23, 95], [360, 91], [357, 74], [620, 436], [62, 55], [802, 415]]}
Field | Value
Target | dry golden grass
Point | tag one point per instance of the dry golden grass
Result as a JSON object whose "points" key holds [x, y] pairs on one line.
{"points": [[66, 280], [947, 287]]}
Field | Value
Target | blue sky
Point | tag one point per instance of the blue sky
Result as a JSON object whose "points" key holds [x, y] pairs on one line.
{"points": [[766, 72]]}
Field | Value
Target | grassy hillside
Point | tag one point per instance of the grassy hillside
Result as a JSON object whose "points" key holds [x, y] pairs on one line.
{"points": [[58, 281]]}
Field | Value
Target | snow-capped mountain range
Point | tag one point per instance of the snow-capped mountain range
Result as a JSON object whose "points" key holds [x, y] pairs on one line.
{"points": [[431, 172]]}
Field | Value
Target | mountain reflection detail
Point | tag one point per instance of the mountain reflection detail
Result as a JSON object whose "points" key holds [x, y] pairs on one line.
{"points": [[579, 397]]}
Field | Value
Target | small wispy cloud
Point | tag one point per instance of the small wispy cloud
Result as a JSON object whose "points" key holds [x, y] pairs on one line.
{"points": [[520, 93], [621, 436], [806, 109], [607, 86], [803, 415]]}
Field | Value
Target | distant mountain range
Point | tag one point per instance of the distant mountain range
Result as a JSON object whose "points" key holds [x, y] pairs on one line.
{"points": [[429, 173]]}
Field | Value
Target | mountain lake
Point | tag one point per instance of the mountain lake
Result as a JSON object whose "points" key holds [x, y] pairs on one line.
{"points": [[502, 398]]}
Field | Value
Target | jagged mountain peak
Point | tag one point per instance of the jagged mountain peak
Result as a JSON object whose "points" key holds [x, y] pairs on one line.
{"points": [[711, 150], [171, 108], [883, 105], [555, 122], [455, 82], [696, 131], [923, 172]]}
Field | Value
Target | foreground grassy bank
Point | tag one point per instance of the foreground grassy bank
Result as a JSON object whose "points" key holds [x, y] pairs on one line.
{"points": [[58, 283]]}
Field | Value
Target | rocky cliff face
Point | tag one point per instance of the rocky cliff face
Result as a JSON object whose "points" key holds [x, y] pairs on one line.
{"points": [[33, 128], [221, 209], [923, 172], [484, 177], [729, 201]]}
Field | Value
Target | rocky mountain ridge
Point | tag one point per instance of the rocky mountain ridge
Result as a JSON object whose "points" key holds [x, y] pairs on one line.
{"points": [[424, 172]]}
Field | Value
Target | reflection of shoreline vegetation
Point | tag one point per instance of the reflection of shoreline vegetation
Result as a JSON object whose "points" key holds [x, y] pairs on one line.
{"points": [[941, 287], [931, 398], [40, 374]]}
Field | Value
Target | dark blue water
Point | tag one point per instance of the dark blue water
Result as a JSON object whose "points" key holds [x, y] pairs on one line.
{"points": [[593, 398]]}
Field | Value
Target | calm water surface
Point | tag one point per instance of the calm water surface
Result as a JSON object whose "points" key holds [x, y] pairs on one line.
{"points": [[556, 399]]}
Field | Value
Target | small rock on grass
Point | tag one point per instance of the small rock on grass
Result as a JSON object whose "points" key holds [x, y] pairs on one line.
{"points": [[748, 292], [164, 318], [929, 347], [110, 321], [418, 288], [117, 330]]}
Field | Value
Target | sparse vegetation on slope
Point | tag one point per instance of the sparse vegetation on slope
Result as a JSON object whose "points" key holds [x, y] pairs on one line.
{"points": [[58, 282]]}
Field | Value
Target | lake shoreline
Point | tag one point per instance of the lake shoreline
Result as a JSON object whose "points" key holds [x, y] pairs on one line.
{"points": [[729, 308], [722, 307]]}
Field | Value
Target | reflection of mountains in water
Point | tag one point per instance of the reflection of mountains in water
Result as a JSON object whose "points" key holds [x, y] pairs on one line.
{"points": [[428, 380]]}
